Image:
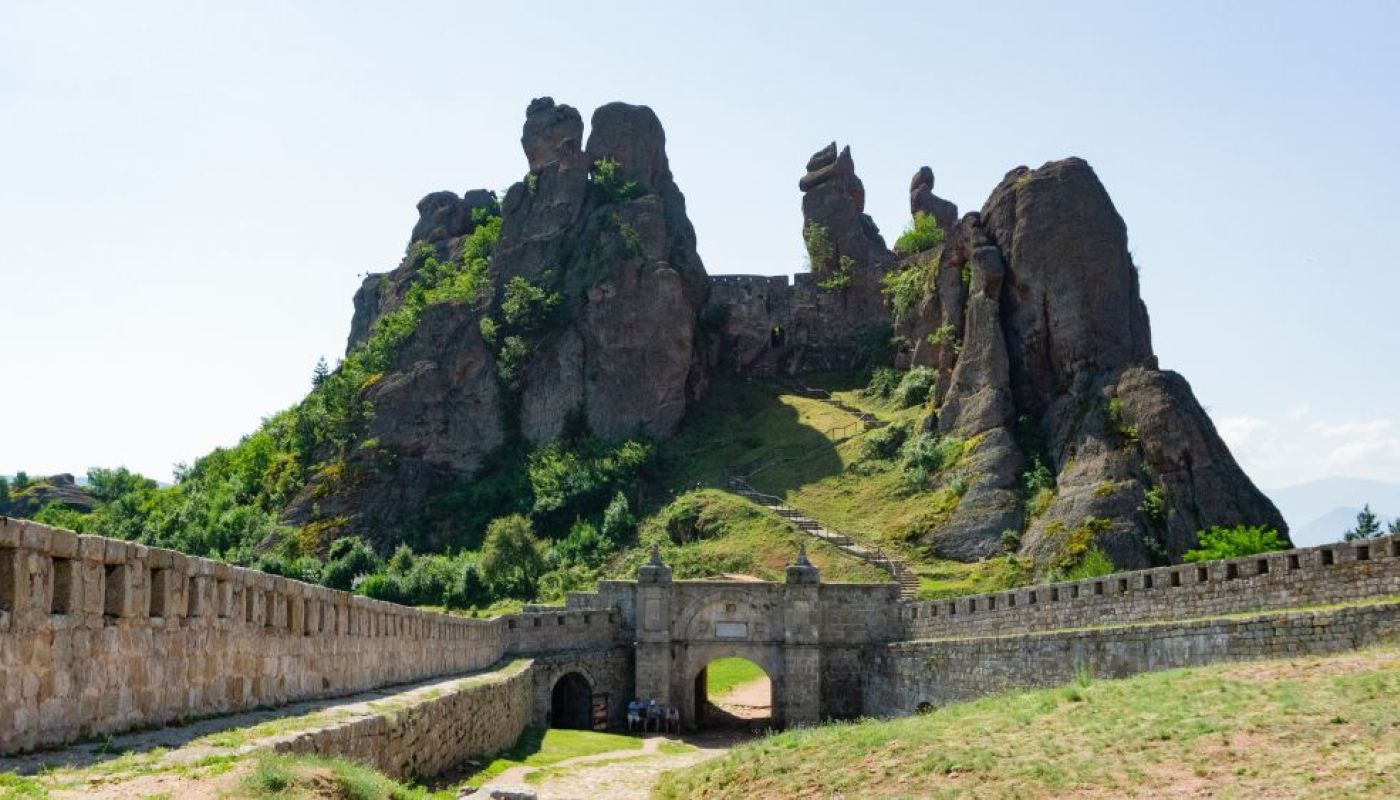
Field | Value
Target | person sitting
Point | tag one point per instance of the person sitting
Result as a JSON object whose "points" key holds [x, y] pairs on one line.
{"points": [[673, 719], [634, 714], [653, 716]]}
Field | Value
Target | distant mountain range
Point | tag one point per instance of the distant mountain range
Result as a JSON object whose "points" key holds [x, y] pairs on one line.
{"points": [[1321, 511]]}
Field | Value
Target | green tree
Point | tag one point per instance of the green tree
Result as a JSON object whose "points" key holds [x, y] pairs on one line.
{"points": [[320, 373], [4, 492], [110, 485], [618, 522], [922, 234], [349, 557], [820, 252], [1394, 528], [1368, 525], [469, 589], [512, 557], [1241, 540], [21, 481], [583, 545]]}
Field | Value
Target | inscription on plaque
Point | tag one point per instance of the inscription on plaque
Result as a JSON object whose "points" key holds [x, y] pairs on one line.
{"points": [[732, 630]]}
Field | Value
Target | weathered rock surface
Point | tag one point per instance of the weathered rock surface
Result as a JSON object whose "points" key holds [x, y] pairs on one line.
{"points": [[922, 200], [618, 352], [443, 220], [62, 489], [834, 199], [1055, 363]]}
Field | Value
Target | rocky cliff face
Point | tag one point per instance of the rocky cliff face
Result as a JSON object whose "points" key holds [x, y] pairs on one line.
{"points": [[588, 319], [1046, 358]]}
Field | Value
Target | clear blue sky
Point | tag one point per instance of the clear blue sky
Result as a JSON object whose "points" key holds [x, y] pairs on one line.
{"points": [[188, 193]]}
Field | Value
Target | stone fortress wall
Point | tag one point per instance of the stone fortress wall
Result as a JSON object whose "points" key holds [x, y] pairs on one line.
{"points": [[434, 731], [780, 323], [1333, 573], [1315, 600], [912, 676], [100, 635]]}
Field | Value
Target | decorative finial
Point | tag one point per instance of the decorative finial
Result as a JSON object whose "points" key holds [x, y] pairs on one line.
{"points": [[655, 555], [802, 555]]}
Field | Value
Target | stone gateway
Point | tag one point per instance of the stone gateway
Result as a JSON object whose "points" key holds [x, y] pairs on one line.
{"points": [[99, 636]]}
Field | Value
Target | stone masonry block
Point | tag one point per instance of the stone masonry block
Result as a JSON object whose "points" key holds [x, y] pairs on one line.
{"points": [[64, 544], [92, 548], [36, 537]]}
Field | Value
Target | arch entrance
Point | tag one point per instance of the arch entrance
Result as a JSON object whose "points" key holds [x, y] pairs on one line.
{"points": [[733, 693], [571, 702]]}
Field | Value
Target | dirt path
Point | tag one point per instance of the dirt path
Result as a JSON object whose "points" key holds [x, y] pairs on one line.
{"points": [[617, 774], [752, 700]]}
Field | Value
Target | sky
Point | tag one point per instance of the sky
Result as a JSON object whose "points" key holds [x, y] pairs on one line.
{"points": [[191, 192]]}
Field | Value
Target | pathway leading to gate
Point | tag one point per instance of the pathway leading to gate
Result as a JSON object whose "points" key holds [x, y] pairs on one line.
{"points": [[617, 774]]}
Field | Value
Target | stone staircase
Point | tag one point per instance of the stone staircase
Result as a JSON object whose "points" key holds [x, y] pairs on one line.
{"points": [[896, 567], [868, 421]]}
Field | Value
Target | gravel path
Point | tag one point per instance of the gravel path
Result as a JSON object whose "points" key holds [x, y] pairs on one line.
{"points": [[618, 774]]}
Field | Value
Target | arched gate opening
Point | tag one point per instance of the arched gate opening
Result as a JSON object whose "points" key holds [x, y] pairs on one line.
{"points": [[733, 693], [571, 702]]}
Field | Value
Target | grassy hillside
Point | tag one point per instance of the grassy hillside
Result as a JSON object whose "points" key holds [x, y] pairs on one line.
{"points": [[1314, 727], [556, 518], [706, 533], [819, 459]]}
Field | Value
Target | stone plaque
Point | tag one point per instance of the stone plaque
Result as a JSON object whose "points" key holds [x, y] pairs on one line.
{"points": [[732, 630]]}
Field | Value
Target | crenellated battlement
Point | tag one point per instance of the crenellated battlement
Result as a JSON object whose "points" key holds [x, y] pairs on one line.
{"points": [[102, 635], [1310, 576]]}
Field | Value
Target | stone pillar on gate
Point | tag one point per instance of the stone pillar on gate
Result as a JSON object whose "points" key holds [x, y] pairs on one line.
{"points": [[654, 630], [800, 700]]}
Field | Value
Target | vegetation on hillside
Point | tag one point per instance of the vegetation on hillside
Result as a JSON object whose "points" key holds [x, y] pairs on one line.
{"points": [[709, 533], [226, 505], [1236, 542], [922, 233], [1315, 727], [540, 522]]}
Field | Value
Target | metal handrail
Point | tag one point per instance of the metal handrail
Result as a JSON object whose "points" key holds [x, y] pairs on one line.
{"points": [[875, 555]]}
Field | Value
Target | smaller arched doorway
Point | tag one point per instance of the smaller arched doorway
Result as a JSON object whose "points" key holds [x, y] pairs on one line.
{"points": [[571, 703], [733, 693]]}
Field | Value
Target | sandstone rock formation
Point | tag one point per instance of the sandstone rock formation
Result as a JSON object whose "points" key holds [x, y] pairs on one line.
{"points": [[923, 200], [603, 231], [833, 200], [1052, 363]]}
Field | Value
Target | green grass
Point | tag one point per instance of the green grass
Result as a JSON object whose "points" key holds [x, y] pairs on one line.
{"points": [[724, 674], [726, 534], [674, 748], [940, 579], [14, 787], [1310, 727], [785, 442], [537, 747], [275, 777]]}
